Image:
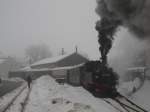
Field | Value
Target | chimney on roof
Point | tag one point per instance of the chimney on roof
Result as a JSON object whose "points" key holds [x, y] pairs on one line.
{"points": [[62, 51], [76, 48]]}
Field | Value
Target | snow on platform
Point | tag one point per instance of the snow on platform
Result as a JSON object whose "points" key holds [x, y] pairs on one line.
{"points": [[49, 96]]}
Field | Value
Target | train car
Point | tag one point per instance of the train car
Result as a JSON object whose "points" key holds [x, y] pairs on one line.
{"points": [[100, 80]]}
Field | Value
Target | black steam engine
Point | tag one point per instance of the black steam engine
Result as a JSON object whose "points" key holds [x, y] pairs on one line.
{"points": [[103, 80], [100, 80]]}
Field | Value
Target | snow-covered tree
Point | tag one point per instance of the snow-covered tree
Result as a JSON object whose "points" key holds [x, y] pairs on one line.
{"points": [[37, 52]]}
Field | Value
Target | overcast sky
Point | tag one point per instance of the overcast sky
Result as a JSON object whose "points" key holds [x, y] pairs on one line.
{"points": [[57, 23]]}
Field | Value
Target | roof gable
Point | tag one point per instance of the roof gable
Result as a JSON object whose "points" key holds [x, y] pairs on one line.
{"points": [[50, 60], [54, 59]]}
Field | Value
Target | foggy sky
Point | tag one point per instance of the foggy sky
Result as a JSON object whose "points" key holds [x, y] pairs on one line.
{"points": [[58, 23]]}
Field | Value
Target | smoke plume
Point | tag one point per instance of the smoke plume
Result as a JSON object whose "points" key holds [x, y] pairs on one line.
{"points": [[133, 14]]}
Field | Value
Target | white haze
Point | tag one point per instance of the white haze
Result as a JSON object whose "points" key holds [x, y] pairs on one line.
{"points": [[59, 24], [125, 51]]}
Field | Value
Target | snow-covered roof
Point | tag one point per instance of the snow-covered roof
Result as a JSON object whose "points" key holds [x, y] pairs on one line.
{"points": [[42, 69], [28, 68], [32, 70], [25, 68], [51, 60], [67, 67]]}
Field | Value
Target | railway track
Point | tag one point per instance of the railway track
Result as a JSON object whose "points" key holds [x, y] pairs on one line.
{"points": [[123, 104], [25, 101], [15, 99]]}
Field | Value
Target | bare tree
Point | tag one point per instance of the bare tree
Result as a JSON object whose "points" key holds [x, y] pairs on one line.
{"points": [[37, 52]]}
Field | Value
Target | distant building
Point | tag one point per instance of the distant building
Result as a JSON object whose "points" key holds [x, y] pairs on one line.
{"points": [[7, 64], [66, 67], [3, 69]]}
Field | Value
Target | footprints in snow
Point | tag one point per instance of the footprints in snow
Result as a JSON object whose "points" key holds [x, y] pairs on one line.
{"points": [[76, 107]]}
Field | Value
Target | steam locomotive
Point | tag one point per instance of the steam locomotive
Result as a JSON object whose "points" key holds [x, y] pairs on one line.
{"points": [[99, 79]]}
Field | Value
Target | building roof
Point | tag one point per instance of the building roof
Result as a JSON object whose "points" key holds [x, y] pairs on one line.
{"points": [[29, 69], [25, 68], [68, 67], [51, 60]]}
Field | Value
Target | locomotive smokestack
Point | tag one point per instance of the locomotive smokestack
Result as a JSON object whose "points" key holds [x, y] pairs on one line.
{"points": [[62, 51]]}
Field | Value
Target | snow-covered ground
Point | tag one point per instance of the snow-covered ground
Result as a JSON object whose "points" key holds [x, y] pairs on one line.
{"points": [[142, 97], [49, 96], [128, 88]]}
